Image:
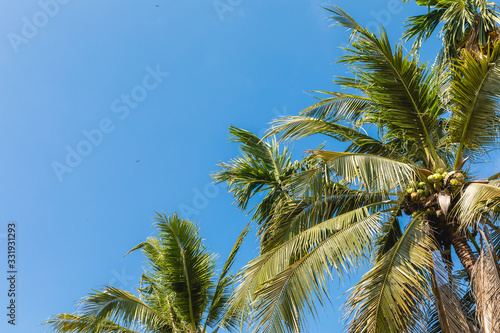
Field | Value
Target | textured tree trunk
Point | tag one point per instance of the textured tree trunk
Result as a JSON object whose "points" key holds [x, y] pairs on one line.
{"points": [[462, 249]]}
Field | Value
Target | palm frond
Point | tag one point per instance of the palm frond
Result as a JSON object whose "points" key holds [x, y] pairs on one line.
{"points": [[452, 319], [485, 282], [389, 297], [287, 279], [297, 127], [372, 172], [72, 323], [475, 102], [476, 200], [122, 307], [405, 91], [189, 266]]}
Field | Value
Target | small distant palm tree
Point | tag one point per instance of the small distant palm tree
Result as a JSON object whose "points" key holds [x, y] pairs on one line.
{"points": [[177, 292]]}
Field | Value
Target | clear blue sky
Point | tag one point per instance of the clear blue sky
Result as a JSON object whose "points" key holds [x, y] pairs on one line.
{"points": [[146, 90]]}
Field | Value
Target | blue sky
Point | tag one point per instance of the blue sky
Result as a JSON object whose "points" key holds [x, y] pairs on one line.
{"points": [[144, 92]]}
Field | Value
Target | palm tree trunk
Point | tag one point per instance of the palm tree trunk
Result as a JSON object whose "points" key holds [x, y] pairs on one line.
{"points": [[462, 249]]}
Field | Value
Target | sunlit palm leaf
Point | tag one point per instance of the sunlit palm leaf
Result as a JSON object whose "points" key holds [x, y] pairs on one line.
{"points": [[73, 323], [120, 306], [289, 278], [389, 297], [189, 266], [404, 90], [476, 200], [372, 172], [475, 102]]}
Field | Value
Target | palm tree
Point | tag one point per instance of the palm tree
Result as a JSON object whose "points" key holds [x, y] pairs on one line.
{"points": [[346, 209], [466, 24], [177, 291]]}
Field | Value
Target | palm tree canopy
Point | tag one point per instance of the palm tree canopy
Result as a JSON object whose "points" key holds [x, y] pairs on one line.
{"points": [[345, 209], [178, 291]]}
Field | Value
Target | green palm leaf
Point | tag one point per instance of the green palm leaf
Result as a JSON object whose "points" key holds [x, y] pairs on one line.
{"points": [[288, 278], [404, 90], [475, 102], [66, 322], [189, 266], [375, 173], [389, 296], [120, 306]]}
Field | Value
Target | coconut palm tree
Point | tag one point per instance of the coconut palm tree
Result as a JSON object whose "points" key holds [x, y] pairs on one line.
{"points": [[177, 291], [466, 24], [399, 198]]}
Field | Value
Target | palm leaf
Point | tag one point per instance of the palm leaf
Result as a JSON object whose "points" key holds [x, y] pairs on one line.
{"points": [[405, 92], [389, 297], [475, 102], [288, 278], [189, 266], [120, 306], [66, 322], [375, 173]]}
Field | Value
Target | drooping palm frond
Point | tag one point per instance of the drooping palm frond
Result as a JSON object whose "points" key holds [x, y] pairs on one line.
{"points": [[475, 103], [283, 283], [339, 107], [374, 173], [485, 283], [297, 127], [390, 295], [452, 318], [66, 322], [477, 199], [119, 306]]}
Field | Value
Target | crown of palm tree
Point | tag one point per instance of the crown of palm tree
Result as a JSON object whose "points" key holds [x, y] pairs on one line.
{"points": [[345, 210], [177, 293]]}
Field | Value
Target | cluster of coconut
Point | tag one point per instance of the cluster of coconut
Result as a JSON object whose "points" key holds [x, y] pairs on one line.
{"points": [[421, 195]]}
